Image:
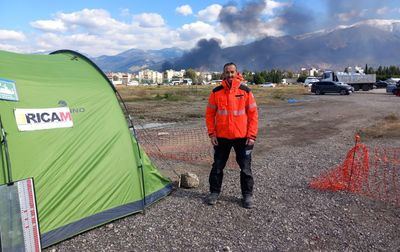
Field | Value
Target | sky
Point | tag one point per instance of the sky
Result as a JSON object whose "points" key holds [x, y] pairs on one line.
{"points": [[111, 27]]}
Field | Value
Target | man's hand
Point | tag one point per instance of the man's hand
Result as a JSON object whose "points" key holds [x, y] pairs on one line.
{"points": [[214, 140], [250, 141]]}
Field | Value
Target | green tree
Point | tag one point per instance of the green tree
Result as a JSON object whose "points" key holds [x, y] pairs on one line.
{"points": [[289, 74], [191, 74], [248, 76], [216, 76], [370, 70], [302, 77], [199, 79], [258, 78]]}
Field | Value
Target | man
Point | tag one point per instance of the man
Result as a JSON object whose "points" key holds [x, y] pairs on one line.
{"points": [[232, 121]]}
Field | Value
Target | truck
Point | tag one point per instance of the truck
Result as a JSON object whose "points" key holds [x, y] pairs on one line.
{"points": [[359, 81]]}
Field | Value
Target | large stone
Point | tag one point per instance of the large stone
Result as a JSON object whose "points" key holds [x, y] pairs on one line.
{"points": [[189, 180]]}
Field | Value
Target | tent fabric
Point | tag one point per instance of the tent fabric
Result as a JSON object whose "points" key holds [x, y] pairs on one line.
{"points": [[85, 175]]}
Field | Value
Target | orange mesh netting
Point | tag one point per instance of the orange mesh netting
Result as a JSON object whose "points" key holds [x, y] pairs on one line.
{"points": [[179, 144], [370, 172]]}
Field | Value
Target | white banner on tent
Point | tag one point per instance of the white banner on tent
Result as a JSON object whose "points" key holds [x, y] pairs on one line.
{"points": [[40, 119]]}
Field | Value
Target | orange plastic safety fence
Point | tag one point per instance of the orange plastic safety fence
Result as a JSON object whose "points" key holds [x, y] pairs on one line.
{"points": [[372, 172]]}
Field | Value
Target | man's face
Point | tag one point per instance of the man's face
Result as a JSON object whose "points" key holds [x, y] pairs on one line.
{"points": [[230, 72]]}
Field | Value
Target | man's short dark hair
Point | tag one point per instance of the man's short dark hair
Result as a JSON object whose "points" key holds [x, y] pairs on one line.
{"points": [[230, 64]]}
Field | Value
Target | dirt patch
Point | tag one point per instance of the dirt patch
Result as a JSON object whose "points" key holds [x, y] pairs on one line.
{"points": [[388, 127], [297, 141]]}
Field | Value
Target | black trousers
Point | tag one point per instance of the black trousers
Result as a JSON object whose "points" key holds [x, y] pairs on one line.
{"points": [[243, 158]]}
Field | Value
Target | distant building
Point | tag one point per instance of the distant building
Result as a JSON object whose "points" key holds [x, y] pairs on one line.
{"points": [[119, 78], [206, 76], [170, 74], [150, 77], [309, 71], [313, 72]]}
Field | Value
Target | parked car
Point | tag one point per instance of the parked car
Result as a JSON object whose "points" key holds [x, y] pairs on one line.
{"points": [[396, 91], [268, 84], [381, 84], [323, 87], [390, 88]]}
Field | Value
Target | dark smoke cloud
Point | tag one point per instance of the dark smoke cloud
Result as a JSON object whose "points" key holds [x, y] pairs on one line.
{"points": [[249, 21], [296, 20], [242, 21], [206, 55]]}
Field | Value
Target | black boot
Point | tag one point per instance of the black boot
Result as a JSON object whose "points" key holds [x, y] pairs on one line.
{"points": [[212, 198], [247, 201]]}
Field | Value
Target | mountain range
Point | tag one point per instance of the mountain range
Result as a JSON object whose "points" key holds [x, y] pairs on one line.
{"points": [[373, 42], [135, 59]]}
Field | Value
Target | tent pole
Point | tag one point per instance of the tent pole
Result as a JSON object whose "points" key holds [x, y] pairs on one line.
{"points": [[140, 166], [4, 142], [138, 148]]}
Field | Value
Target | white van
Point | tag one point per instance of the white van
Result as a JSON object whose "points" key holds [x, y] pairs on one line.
{"points": [[310, 80]]}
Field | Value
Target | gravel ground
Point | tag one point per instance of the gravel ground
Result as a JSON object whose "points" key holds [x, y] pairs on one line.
{"points": [[297, 141]]}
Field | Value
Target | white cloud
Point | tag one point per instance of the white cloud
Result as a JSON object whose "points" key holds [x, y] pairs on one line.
{"points": [[185, 10], [190, 34], [382, 11], [96, 32], [347, 16], [195, 30], [11, 35], [210, 13], [8, 47], [272, 27], [271, 5], [149, 20], [49, 25], [92, 19], [125, 12]]}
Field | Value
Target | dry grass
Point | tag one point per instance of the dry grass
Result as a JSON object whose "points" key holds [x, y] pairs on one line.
{"points": [[163, 93], [278, 94], [388, 127], [182, 103], [196, 93]]}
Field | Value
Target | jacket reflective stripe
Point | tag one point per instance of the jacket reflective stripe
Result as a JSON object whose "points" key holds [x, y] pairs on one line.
{"points": [[253, 105], [222, 112], [234, 112], [239, 112], [211, 106]]}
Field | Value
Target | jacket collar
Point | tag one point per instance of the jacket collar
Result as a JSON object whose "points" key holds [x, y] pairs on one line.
{"points": [[235, 84]]}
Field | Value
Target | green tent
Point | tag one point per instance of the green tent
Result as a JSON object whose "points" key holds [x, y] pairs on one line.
{"points": [[65, 128]]}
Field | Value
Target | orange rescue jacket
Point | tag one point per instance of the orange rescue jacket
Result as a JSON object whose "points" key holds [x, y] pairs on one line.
{"points": [[232, 112]]}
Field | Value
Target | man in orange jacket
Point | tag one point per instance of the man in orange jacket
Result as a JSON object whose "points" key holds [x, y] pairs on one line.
{"points": [[232, 121]]}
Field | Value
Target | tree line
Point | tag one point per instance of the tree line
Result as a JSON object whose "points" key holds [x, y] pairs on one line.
{"points": [[383, 72], [276, 75]]}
